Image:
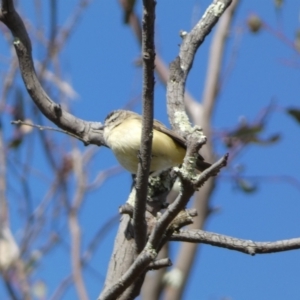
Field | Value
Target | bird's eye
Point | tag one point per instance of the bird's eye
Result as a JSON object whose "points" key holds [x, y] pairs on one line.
{"points": [[108, 117]]}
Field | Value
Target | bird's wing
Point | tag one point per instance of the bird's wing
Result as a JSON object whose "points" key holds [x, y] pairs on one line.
{"points": [[171, 133]]}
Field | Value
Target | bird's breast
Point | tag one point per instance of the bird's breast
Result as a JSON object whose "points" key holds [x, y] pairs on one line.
{"points": [[124, 140]]}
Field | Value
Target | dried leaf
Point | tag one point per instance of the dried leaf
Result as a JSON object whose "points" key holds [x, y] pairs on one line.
{"points": [[267, 141], [295, 113], [246, 186]]}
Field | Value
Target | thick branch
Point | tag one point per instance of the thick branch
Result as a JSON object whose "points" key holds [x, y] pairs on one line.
{"points": [[137, 268]]}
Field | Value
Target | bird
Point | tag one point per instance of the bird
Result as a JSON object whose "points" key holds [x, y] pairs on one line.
{"points": [[122, 133]]}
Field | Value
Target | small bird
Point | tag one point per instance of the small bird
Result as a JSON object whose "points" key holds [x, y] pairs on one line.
{"points": [[122, 133]]}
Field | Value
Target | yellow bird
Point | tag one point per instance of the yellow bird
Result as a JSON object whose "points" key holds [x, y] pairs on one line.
{"points": [[122, 133]]}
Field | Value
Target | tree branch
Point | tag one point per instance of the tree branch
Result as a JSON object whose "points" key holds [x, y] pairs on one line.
{"points": [[244, 246], [89, 132], [212, 83], [74, 226], [160, 263], [137, 268], [160, 66], [201, 115], [181, 66], [179, 204], [148, 49]]}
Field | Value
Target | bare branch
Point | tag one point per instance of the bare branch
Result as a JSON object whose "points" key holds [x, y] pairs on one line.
{"points": [[3, 202], [179, 204], [153, 284], [74, 225], [8, 80], [160, 263], [179, 70], [186, 256], [244, 246], [160, 66], [58, 39], [123, 254], [171, 212], [9, 287], [214, 169], [40, 127], [148, 47], [64, 284], [215, 61], [169, 215], [181, 66], [137, 268], [185, 217], [89, 132], [86, 256]]}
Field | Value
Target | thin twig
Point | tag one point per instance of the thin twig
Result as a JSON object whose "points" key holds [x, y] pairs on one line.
{"points": [[40, 127], [212, 83], [74, 225], [244, 246]]}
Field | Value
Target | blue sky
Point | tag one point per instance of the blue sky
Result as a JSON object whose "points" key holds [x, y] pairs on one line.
{"points": [[99, 62]]}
